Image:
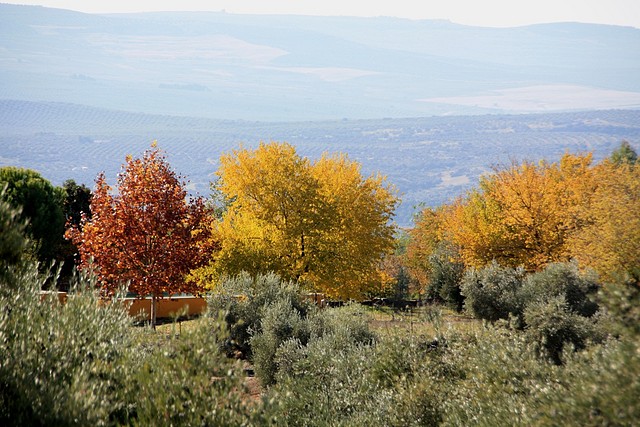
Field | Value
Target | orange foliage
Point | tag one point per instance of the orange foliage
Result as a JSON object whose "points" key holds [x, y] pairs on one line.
{"points": [[147, 235], [522, 215]]}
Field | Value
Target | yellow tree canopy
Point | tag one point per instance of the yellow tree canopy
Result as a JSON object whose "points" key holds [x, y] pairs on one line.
{"points": [[522, 215], [609, 241], [322, 224]]}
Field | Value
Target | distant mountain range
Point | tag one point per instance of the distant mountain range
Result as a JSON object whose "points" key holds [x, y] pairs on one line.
{"points": [[287, 68], [430, 160]]}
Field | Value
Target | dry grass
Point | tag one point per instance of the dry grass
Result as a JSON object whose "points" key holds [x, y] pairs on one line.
{"points": [[384, 320], [420, 321]]}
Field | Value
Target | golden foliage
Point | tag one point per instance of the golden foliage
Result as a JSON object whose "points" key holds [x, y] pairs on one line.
{"points": [[531, 215], [322, 224], [609, 242], [522, 215], [424, 237]]}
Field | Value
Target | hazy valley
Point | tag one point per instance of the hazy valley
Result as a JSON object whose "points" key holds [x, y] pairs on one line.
{"points": [[290, 68]]}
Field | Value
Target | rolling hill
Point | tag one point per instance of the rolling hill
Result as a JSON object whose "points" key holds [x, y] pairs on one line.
{"points": [[289, 68]]}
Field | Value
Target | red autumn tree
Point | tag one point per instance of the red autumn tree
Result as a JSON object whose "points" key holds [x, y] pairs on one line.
{"points": [[148, 235]]}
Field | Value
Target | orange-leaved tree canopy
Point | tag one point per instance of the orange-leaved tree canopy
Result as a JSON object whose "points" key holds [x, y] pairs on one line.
{"points": [[147, 235], [523, 215], [322, 224]]}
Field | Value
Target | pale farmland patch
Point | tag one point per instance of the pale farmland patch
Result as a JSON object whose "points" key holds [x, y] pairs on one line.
{"points": [[448, 179], [546, 98]]}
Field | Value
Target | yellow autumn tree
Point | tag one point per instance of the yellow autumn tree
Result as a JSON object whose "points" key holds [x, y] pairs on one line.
{"points": [[522, 215], [472, 224], [609, 241], [360, 210], [322, 224]]}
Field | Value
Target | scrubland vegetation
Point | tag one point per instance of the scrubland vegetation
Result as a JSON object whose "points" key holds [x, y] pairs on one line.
{"points": [[541, 262]]}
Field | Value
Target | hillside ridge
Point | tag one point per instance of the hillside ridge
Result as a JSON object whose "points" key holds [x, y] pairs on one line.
{"points": [[289, 68]]}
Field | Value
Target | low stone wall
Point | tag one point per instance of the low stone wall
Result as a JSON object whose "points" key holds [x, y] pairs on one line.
{"points": [[167, 307]]}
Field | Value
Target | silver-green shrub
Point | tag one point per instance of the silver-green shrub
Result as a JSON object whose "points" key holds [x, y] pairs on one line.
{"points": [[280, 322], [186, 380], [59, 363], [555, 306], [493, 293], [446, 276], [562, 280], [244, 300]]}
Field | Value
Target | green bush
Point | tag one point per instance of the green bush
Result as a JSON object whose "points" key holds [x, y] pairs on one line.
{"points": [[602, 383], [622, 301], [551, 325], [244, 300], [501, 379], [555, 306], [491, 376], [345, 325], [59, 362], [601, 387], [560, 310], [264, 313], [280, 322], [185, 380], [84, 363], [493, 293], [347, 376], [394, 381], [562, 280], [446, 275], [285, 332], [322, 383]]}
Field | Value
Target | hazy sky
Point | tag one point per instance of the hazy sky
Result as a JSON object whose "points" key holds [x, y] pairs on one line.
{"points": [[473, 12]]}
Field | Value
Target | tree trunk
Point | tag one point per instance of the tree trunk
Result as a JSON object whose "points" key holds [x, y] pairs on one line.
{"points": [[153, 311]]}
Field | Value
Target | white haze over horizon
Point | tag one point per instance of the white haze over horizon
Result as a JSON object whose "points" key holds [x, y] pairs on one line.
{"points": [[487, 13]]}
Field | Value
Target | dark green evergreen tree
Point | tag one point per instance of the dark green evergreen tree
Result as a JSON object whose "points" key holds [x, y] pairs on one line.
{"points": [[13, 242], [41, 207], [77, 200], [624, 154]]}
